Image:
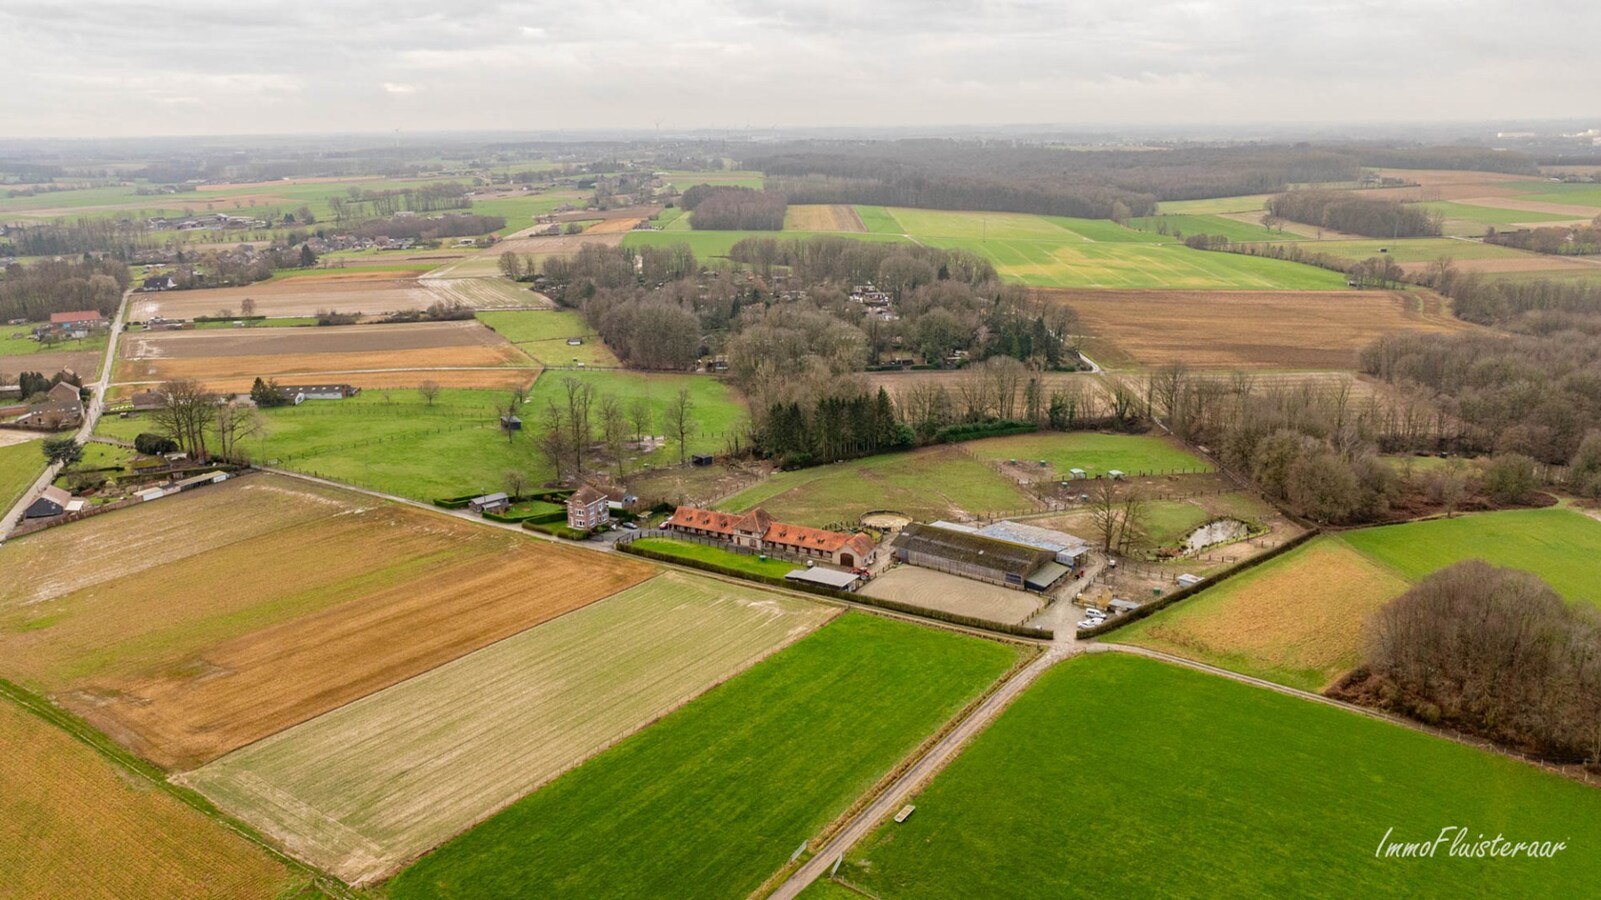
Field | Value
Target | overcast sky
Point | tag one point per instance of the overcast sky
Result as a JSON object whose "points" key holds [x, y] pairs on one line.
{"points": [[101, 68]]}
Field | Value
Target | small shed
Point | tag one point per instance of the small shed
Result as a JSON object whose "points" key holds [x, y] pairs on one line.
{"points": [[1188, 580], [1116, 474], [511, 423], [833, 578], [489, 502], [1119, 605], [702, 459], [1078, 473]]}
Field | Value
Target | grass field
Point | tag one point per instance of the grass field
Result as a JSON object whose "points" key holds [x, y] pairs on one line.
{"points": [[682, 180], [20, 464], [364, 788], [1232, 229], [932, 483], [710, 246], [180, 660], [1214, 206], [773, 568], [1413, 250], [1096, 454], [14, 342], [1119, 776], [718, 409], [392, 441], [1296, 620], [543, 334], [713, 799], [75, 824], [1489, 215], [1559, 545]]}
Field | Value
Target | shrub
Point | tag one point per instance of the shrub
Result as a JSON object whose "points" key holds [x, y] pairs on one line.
{"points": [[154, 444], [1510, 478]]}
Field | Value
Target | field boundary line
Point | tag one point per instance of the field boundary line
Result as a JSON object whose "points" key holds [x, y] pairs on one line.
{"points": [[39, 706]]}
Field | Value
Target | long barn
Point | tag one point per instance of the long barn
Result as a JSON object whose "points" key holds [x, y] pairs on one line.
{"points": [[978, 557]]}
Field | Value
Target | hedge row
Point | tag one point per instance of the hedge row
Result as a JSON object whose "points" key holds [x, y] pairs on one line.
{"points": [[544, 518], [953, 433], [1027, 631], [556, 528], [1115, 622]]}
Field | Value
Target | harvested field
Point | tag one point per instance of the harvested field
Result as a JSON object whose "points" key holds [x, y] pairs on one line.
{"points": [[1254, 329], [953, 594], [485, 292], [621, 225], [355, 291], [220, 354], [183, 662], [1451, 184], [1556, 265], [75, 824], [1296, 620], [83, 362], [1537, 206], [823, 217], [365, 788]]}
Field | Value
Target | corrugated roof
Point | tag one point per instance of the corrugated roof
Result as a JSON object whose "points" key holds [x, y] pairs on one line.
{"points": [[827, 577], [1035, 536], [974, 549]]}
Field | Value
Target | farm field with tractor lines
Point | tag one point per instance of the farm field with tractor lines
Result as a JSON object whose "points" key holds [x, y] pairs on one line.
{"points": [[182, 670], [364, 788], [75, 824], [1237, 790], [1310, 330], [1096, 454], [712, 800]]}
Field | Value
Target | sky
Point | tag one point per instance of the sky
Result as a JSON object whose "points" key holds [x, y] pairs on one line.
{"points": [[96, 68]]}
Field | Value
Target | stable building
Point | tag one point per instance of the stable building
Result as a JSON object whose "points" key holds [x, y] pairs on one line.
{"points": [[757, 531], [972, 555], [300, 393]]}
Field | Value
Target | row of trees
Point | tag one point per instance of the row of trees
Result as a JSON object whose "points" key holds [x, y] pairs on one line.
{"points": [[200, 421], [1558, 240], [430, 228], [1494, 652], [1354, 213], [734, 209], [1373, 272], [46, 286], [834, 428], [579, 418], [118, 237], [358, 205]]}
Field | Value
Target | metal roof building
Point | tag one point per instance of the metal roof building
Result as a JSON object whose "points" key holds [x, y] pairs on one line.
{"points": [[971, 555], [1066, 548]]}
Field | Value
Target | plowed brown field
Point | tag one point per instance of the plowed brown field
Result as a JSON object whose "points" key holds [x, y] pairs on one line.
{"points": [[72, 824], [1252, 329], [823, 217], [343, 291], [182, 660]]}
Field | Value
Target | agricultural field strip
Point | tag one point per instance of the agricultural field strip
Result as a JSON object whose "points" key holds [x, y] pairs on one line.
{"points": [[363, 788], [74, 824]]}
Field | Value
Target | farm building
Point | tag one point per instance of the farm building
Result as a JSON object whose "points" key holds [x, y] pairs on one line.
{"points": [[79, 321], [52, 502], [300, 393], [973, 555], [588, 508], [830, 578], [1066, 548], [62, 409], [494, 503], [756, 530]]}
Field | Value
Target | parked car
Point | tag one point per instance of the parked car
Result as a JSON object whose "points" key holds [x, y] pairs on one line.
{"points": [[1089, 623], [630, 526]]}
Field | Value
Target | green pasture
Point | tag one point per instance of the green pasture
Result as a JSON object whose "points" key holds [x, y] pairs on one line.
{"points": [[1120, 776], [1096, 454], [1215, 225], [1413, 250], [20, 464], [14, 342], [713, 799], [932, 483], [1559, 545], [1214, 205], [687, 550], [718, 409], [543, 335]]}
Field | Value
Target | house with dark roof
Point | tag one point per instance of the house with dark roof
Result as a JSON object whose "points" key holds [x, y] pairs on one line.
{"points": [[973, 555], [63, 408], [756, 530], [52, 502]]}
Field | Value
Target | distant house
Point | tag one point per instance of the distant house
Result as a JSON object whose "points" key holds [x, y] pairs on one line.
{"points": [[493, 503], [159, 283], [81, 320], [147, 401], [63, 408], [757, 531], [53, 502], [588, 508], [300, 393]]}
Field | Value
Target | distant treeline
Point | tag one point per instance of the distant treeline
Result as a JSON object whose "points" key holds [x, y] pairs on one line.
{"points": [[948, 174], [48, 286], [430, 229], [358, 204], [734, 208], [119, 237], [1559, 240], [1477, 159], [1354, 213]]}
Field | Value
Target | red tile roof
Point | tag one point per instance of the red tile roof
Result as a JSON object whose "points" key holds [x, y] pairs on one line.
{"points": [[67, 318], [758, 522]]}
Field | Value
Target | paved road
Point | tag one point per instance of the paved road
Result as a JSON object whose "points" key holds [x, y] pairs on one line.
{"points": [[91, 415]]}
